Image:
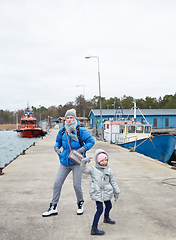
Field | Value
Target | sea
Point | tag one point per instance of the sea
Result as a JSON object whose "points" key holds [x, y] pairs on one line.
{"points": [[12, 145]]}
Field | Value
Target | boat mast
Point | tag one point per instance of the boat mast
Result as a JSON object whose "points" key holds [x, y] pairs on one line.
{"points": [[140, 112]]}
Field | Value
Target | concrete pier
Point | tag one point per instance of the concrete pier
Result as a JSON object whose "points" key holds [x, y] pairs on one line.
{"points": [[146, 208]]}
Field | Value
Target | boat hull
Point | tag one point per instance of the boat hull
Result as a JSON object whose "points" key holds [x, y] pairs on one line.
{"points": [[27, 132], [159, 147]]}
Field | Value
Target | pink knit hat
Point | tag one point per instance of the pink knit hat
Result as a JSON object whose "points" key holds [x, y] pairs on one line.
{"points": [[101, 156]]}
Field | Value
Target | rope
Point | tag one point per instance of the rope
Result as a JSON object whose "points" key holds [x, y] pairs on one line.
{"points": [[168, 183], [150, 138]]}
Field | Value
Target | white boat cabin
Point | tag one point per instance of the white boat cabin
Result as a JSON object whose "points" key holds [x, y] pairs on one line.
{"points": [[125, 131]]}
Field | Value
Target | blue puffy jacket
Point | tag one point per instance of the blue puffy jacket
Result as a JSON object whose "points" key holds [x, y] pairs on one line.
{"points": [[61, 141]]}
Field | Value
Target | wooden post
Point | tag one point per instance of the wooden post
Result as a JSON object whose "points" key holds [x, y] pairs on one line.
{"points": [[23, 153], [1, 168]]}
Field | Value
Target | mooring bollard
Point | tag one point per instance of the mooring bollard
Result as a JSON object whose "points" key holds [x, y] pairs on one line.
{"points": [[23, 153], [174, 165], [1, 168]]}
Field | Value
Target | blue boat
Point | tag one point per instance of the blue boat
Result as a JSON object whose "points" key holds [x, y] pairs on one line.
{"points": [[136, 136], [159, 147]]}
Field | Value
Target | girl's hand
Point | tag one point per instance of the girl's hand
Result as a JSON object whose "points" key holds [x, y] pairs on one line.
{"points": [[87, 159], [116, 196]]}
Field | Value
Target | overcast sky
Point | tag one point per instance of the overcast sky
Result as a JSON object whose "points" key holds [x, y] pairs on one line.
{"points": [[43, 44]]}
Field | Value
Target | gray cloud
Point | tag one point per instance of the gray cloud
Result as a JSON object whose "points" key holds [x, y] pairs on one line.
{"points": [[43, 45]]}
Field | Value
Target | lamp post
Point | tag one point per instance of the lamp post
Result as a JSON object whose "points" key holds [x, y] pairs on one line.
{"points": [[99, 92], [84, 103], [40, 113]]}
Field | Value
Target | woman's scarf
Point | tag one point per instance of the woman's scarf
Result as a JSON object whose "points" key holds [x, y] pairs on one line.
{"points": [[71, 129]]}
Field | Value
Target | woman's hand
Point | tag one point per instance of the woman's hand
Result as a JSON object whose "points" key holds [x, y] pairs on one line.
{"points": [[81, 150], [57, 150]]}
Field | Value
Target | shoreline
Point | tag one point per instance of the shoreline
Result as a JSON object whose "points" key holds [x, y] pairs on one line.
{"points": [[12, 146], [7, 126]]}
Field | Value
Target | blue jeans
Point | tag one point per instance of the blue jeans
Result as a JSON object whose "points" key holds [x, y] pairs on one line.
{"points": [[60, 178], [99, 211]]}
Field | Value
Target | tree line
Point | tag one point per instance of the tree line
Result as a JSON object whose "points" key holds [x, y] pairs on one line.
{"points": [[84, 106]]}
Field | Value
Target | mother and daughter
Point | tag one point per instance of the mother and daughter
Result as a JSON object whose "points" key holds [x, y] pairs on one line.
{"points": [[103, 185]]}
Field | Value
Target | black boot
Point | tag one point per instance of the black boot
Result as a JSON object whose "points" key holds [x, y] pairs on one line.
{"points": [[95, 231], [108, 220]]}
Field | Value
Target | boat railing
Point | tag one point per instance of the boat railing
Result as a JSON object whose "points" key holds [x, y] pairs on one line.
{"points": [[118, 138]]}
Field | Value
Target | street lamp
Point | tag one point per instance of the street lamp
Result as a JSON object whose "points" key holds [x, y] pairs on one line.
{"points": [[40, 113], [84, 103], [99, 93]]}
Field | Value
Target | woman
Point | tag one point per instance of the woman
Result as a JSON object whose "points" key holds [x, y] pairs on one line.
{"points": [[69, 132]]}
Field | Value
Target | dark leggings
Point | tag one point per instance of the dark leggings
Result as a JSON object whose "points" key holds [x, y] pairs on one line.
{"points": [[99, 211]]}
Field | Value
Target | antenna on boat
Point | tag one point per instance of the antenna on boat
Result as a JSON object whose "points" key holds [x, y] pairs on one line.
{"points": [[121, 111], [28, 111], [139, 111]]}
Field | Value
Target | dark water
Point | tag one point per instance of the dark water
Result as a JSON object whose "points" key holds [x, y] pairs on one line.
{"points": [[11, 146]]}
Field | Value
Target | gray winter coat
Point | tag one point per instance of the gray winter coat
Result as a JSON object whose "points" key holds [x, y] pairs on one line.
{"points": [[103, 184]]}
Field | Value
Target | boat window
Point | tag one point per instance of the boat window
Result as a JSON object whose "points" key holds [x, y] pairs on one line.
{"points": [[147, 129], [121, 129], [131, 129], [24, 122], [107, 126], [139, 129], [32, 122]]}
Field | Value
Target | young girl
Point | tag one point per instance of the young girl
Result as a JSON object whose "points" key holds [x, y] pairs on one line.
{"points": [[102, 187]]}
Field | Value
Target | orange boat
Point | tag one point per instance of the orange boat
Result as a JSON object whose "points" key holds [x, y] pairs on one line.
{"points": [[28, 127]]}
